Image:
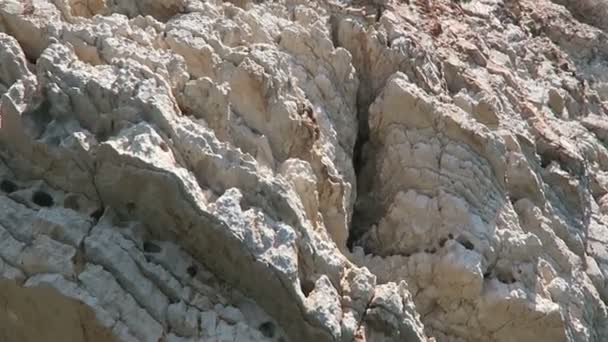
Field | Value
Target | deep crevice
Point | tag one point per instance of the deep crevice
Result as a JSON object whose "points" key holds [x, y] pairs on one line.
{"points": [[365, 97], [357, 227], [97, 214]]}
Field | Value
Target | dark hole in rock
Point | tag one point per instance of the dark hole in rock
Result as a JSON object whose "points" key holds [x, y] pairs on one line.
{"points": [[486, 275], [96, 215], [42, 199], [442, 242], [432, 250], [164, 146], [192, 270], [150, 247], [8, 186], [267, 329], [131, 207], [466, 243], [307, 287], [450, 236]]}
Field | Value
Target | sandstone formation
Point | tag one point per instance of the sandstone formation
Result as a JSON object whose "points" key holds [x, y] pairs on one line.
{"points": [[297, 170]]}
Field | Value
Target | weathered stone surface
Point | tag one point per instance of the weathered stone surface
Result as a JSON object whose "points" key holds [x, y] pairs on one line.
{"points": [[286, 170]]}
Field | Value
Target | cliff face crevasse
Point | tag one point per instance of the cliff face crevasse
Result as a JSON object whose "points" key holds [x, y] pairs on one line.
{"points": [[293, 170]]}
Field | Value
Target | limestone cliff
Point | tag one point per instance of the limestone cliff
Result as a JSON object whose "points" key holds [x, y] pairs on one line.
{"points": [[297, 170]]}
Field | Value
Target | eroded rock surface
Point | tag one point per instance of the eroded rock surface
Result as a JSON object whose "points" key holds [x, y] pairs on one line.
{"points": [[189, 170]]}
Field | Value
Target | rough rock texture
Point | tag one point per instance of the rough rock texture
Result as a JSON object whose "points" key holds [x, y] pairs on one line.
{"points": [[290, 170]]}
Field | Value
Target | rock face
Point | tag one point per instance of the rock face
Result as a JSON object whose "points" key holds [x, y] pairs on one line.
{"points": [[402, 170]]}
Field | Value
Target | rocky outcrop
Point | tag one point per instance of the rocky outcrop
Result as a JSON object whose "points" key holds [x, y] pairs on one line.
{"points": [[286, 170]]}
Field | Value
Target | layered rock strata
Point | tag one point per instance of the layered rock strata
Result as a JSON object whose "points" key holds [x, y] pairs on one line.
{"points": [[189, 170]]}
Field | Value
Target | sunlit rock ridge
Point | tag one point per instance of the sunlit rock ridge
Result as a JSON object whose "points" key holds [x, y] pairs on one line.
{"points": [[303, 171]]}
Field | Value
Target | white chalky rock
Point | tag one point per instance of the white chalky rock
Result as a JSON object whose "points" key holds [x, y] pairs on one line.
{"points": [[286, 170], [183, 320]]}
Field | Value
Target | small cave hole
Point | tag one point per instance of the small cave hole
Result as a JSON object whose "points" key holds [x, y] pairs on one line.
{"points": [[307, 287], [442, 242], [450, 236], [466, 243], [8, 187], [487, 275], [42, 199], [151, 247], [192, 270], [267, 329]]}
